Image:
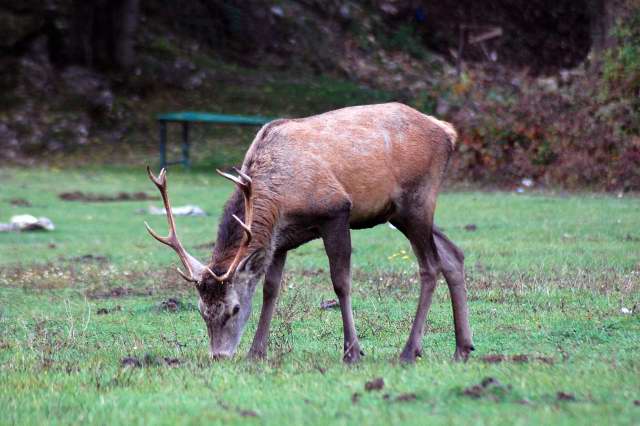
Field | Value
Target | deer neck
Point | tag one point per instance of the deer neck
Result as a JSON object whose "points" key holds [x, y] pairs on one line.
{"points": [[231, 236]]}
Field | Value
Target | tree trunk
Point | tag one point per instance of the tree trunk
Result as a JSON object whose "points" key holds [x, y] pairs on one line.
{"points": [[603, 20], [102, 33], [125, 39]]}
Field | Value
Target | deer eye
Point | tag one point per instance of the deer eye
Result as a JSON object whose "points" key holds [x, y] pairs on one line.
{"points": [[236, 309]]}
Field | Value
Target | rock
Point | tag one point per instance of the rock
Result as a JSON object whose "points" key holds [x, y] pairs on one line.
{"points": [[188, 210], [548, 84], [527, 182], [328, 304], [27, 222], [277, 11]]}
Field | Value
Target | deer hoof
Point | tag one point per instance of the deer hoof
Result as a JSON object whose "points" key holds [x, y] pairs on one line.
{"points": [[353, 354], [462, 353], [409, 355], [257, 355]]}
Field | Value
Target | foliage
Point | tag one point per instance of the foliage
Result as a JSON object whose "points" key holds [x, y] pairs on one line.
{"points": [[622, 62], [405, 38], [296, 58], [547, 278], [553, 131]]}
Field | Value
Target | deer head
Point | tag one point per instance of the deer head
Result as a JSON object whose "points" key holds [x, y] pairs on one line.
{"points": [[225, 298]]}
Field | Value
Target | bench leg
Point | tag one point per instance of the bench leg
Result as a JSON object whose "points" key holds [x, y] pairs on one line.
{"points": [[163, 144], [185, 144]]}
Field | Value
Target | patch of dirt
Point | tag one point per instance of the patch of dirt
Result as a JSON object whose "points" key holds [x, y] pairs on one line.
{"points": [[130, 361], [494, 358], [329, 304], [94, 278], [171, 305], [101, 198], [172, 362], [406, 397], [247, 413], [375, 384], [149, 360], [89, 258], [242, 411], [489, 387], [385, 283], [636, 402], [521, 358], [208, 245], [471, 227], [105, 311], [19, 202], [565, 396], [312, 272], [355, 398], [117, 292]]}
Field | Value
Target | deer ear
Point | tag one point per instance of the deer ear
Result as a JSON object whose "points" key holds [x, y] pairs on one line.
{"points": [[254, 262]]}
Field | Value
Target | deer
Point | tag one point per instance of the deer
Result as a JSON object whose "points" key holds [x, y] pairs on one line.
{"points": [[321, 177]]}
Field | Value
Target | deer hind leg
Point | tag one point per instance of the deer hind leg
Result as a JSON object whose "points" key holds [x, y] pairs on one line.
{"points": [[270, 291], [418, 229], [452, 267], [337, 243]]}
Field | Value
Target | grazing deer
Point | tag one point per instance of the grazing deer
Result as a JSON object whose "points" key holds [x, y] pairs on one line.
{"points": [[319, 177]]}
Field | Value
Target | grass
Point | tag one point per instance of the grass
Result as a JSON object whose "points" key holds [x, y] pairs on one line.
{"points": [[547, 277]]}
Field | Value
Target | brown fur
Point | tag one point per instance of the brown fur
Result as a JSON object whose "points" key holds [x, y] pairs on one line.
{"points": [[367, 155], [368, 164]]}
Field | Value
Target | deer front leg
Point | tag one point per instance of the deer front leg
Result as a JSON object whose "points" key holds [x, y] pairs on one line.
{"points": [[337, 243], [270, 291]]}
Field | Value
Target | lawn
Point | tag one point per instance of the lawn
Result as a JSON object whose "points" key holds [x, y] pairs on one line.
{"points": [[96, 327]]}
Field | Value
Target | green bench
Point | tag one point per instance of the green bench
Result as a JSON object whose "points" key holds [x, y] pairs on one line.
{"points": [[187, 117]]}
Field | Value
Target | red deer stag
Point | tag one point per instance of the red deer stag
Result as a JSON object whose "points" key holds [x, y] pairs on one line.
{"points": [[319, 177]]}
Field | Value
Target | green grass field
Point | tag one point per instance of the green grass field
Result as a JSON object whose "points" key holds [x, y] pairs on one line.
{"points": [[548, 276]]}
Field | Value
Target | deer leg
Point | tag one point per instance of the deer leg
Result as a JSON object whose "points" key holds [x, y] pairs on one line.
{"points": [[452, 266], [428, 270], [418, 229], [337, 243], [270, 291]]}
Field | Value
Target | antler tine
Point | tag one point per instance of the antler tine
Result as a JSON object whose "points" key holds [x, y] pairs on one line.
{"points": [[161, 180], [244, 183], [247, 230], [231, 177], [154, 234], [194, 268], [243, 175], [185, 276]]}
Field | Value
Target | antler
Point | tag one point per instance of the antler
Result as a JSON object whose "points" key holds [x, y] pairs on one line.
{"points": [[194, 267], [244, 183]]}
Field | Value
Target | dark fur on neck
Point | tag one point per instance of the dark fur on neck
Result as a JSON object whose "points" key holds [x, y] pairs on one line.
{"points": [[229, 232]]}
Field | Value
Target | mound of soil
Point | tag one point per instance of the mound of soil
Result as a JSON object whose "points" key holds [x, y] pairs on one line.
{"points": [[101, 198]]}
